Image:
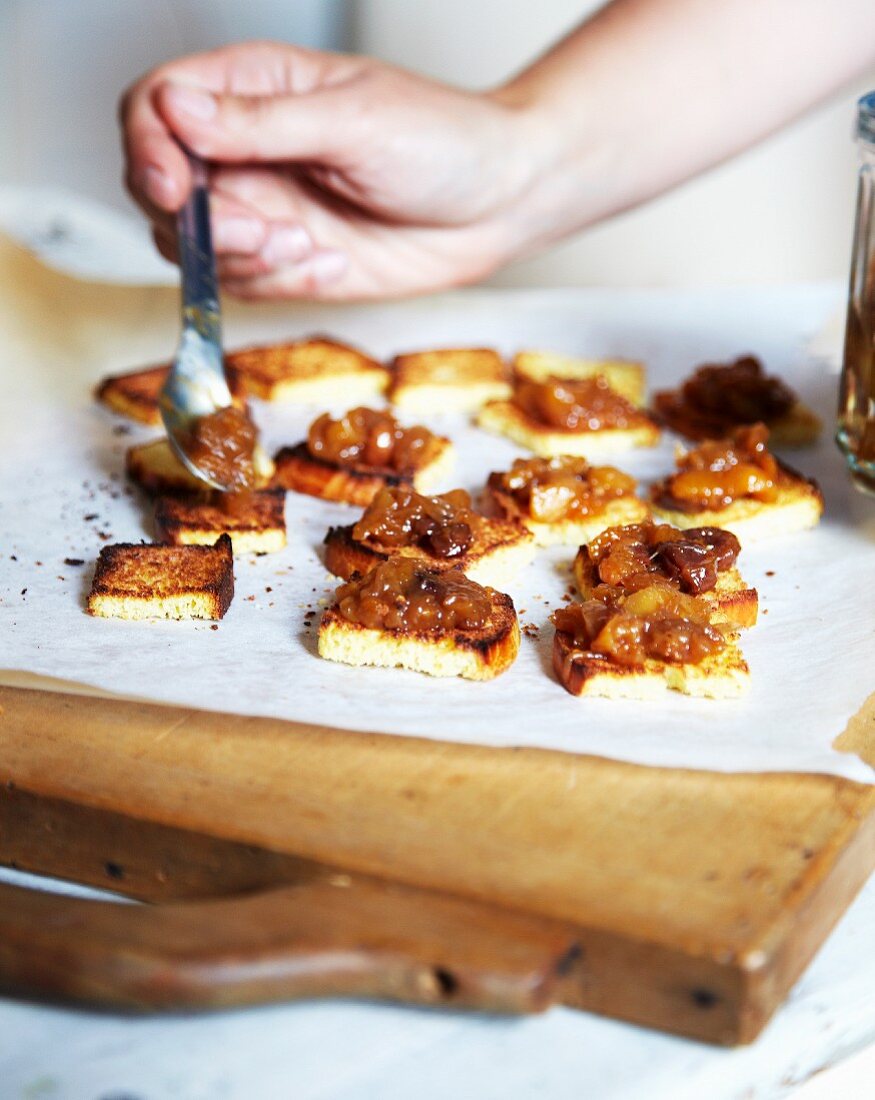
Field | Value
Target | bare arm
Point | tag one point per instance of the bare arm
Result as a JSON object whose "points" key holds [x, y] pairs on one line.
{"points": [[339, 177]]}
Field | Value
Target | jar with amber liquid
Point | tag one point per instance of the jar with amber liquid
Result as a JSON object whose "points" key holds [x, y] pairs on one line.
{"points": [[856, 419]]}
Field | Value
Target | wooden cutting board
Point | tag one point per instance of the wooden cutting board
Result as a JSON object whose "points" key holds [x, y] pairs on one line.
{"points": [[698, 897]]}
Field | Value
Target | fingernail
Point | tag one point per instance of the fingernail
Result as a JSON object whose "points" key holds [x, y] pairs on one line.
{"points": [[327, 266], [189, 100], [238, 234], [285, 244], [158, 186]]}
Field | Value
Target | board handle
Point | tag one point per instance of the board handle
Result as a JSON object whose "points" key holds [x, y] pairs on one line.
{"points": [[339, 936]]}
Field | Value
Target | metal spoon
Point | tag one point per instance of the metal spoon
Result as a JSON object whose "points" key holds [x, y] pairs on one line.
{"points": [[196, 385]]}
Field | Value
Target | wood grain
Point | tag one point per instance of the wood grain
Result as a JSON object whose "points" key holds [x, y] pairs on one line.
{"points": [[698, 897]]}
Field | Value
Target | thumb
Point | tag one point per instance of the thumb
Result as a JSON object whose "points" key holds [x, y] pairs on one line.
{"points": [[245, 129]]}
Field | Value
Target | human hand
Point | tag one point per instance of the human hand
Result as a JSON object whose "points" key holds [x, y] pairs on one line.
{"points": [[332, 177]]}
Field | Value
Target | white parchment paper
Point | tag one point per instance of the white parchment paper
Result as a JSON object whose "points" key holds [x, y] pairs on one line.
{"points": [[63, 495]]}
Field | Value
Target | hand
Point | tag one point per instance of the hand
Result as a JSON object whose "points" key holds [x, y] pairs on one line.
{"points": [[332, 177]]}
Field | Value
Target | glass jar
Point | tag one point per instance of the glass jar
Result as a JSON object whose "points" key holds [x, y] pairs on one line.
{"points": [[856, 417]]}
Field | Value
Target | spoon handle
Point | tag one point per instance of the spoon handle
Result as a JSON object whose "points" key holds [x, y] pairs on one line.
{"points": [[197, 261]]}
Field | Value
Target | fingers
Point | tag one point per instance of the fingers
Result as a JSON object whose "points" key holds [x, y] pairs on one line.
{"points": [[318, 276], [244, 129], [243, 253]]}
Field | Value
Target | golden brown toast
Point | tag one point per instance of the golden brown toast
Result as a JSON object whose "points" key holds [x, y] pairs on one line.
{"points": [[730, 602], [298, 470], [448, 380], [722, 675], [314, 371], [625, 376], [256, 523], [157, 470], [499, 550], [474, 655], [135, 394], [580, 529], [163, 582], [506, 418]]}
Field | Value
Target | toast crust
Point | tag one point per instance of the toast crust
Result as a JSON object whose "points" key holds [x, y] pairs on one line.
{"points": [[474, 655], [313, 371], [576, 531], [730, 602], [625, 376], [157, 470], [298, 470], [500, 549], [723, 675], [258, 527], [142, 581], [798, 507], [505, 418], [448, 380], [135, 393]]}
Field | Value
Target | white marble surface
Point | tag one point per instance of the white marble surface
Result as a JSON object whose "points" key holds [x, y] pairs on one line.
{"points": [[358, 1051]]}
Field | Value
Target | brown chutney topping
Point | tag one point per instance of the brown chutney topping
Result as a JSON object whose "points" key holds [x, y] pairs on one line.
{"points": [[222, 444], [443, 526], [368, 439], [549, 490], [401, 594], [631, 557], [717, 472], [574, 405], [656, 622], [721, 396]]}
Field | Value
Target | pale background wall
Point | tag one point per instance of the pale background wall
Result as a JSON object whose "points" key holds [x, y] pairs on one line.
{"points": [[782, 211]]}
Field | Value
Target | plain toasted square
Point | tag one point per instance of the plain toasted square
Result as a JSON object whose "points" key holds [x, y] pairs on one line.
{"points": [[798, 507], [163, 582], [298, 470], [135, 394], [625, 376], [316, 371], [722, 675], [157, 470], [730, 602], [507, 419], [448, 380], [499, 550], [480, 654], [256, 524]]}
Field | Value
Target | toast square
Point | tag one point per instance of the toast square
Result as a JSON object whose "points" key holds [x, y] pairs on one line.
{"points": [[625, 376], [314, 371], [256, 523], [135, 394], [157, 470], [448, 380], [507, 419], [144, 581]]}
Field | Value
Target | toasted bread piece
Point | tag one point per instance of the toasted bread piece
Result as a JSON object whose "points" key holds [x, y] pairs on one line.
{"points": [[722, 675], [474, 655], [624, 375], [316, 371], [298, 470], [256, 524], [135, 394], [500, 549], [575, 532], [799, 427], [448, 380], [155, 468], [731, 602], [163, 582], [798, 507], [505, 418]]}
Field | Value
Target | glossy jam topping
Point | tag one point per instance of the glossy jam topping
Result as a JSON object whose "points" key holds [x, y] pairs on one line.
{"points": [[400, 594], [656, 621], [718, 472], [719, 397], [631, 557], [368, 439], [443, 526], [223, 446], [578, 405], [549, 490]]}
